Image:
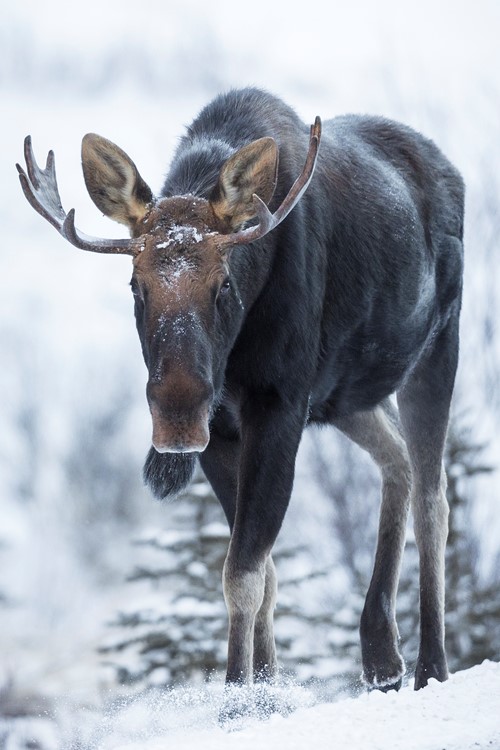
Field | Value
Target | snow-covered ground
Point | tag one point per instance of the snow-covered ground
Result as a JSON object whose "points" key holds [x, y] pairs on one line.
{"points": [[461, 714]]}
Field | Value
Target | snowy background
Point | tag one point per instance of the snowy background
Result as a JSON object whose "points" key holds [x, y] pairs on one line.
{"points": [[74, 424]]}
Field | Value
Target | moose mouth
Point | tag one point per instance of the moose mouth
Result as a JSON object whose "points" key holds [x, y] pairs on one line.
{"points": [[182, 434]]}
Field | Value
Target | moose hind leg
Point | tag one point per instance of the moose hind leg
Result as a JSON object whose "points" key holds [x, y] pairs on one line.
{"points": [[424, 404], [378, 433]]}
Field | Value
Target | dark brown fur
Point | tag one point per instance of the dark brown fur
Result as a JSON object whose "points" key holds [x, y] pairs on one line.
{"points": [[353, 297]]}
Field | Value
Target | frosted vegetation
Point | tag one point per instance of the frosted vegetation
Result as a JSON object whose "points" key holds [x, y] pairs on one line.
{"points": [[111, 608]]}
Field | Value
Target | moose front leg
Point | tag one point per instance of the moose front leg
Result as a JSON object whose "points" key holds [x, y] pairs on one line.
{"points": [[264, 647], [220, 462], [251, 599], [244, 595], [271, 434]]}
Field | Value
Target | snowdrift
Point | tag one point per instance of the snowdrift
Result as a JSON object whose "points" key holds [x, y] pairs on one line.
{"points": [[462, 714]]}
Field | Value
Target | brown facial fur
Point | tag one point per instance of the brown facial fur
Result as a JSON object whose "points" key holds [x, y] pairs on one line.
{"points": [[179, 271], [180, 265], [180, 234]]}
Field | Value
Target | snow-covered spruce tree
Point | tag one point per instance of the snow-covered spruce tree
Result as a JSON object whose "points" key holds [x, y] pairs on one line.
{"points": [[176, 627], [347, 477], [473, 601], [473, 604]]}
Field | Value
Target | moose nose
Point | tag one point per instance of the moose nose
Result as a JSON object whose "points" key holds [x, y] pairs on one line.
{"points": [[180, 410], [167, 438]]}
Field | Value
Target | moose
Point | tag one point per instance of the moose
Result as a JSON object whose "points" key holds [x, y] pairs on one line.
{"points": [[280, 284]]}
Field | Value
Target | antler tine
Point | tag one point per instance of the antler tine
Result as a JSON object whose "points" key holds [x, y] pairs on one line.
{"points": [[268, 221], [40, 188]]}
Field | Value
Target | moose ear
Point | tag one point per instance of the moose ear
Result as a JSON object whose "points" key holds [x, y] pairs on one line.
{"points": [[252, 169], [113, 181]]}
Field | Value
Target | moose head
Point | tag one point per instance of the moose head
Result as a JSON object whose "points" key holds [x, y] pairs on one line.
{"points": [[188, 304]]}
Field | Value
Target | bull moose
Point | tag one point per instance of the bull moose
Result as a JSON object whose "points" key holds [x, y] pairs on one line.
{"points": [[264, 305]]}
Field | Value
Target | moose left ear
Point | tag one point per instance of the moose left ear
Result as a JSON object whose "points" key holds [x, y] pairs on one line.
{"points": [[113, 181], [252, 169]]}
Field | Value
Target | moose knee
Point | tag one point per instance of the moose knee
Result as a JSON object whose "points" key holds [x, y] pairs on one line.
{"points": [[243, 591]]}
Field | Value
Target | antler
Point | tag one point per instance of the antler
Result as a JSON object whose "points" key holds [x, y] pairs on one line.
{"points": [[268, 221], [40, 189]]}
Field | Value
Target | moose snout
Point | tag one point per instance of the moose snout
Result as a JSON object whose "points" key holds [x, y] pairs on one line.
{"points": [[180, 410]]}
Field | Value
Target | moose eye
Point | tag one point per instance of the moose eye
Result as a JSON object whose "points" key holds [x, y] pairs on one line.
{"points": [[136, 290], [221, 292]]}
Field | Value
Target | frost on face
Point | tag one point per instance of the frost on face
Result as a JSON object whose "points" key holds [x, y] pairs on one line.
{"points": [[175, 268], [184, 322], [174, 329], [178, 235], [170, 328], [175, 263]]}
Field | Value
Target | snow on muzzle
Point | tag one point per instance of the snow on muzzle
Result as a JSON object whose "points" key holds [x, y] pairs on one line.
{"points": [[180, 410]]}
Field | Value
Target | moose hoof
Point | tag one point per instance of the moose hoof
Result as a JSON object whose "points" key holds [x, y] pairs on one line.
{"points": [[384, 679], [385, 687], [430, 670], [232, 713], [271, 700], [251, 702]]}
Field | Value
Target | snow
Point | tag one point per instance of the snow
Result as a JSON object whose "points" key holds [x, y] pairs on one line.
{"points": [[178, 234], [461, 714], [185, 234]]}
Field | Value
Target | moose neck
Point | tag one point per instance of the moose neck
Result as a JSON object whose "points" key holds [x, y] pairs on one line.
{"points": [[196, 167]]}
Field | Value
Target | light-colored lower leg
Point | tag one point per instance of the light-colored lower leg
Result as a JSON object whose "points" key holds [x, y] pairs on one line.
{"points": [[430, 510], [264, 654], [377, 432], [244, 595]]}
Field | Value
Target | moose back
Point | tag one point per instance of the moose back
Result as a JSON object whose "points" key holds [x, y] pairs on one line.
{"points": [[264, 305]]}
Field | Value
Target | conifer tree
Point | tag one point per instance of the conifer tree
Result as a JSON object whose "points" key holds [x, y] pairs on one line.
{"points": [[180, 632], [472, 604]]}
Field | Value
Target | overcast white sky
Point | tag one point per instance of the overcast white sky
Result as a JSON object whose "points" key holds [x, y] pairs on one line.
{"points": [[268, 41], [448, 30]]}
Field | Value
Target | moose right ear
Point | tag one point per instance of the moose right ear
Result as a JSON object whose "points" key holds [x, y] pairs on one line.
{"points": [[113, 181], [252, 169]]}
